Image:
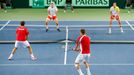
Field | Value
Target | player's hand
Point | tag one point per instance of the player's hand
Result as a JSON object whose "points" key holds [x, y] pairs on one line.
{"points": [[113, 16], [77, 50], [50, 16], [27, 37]]}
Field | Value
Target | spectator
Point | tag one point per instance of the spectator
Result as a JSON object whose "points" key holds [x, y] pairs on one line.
{"points": [[68, 3], [3, 5], [129, 5]]}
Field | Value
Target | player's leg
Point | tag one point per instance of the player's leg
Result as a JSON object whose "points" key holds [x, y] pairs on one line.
{"points": [[77, 64], [10, 3], [65, 8], [4, 7], [13, 51], [0, 5], [119, 22], [72, 8], [86, 57], [26, 43], [46, 23], [129, 5], [87, 68], [31, 53], [110, 24], [57, 24], [133, 4]]}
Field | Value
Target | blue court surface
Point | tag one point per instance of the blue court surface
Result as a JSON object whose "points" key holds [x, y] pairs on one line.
{"points": [[111, 54]]}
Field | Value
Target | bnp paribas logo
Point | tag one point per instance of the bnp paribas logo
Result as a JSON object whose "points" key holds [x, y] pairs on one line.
{"points": [[99, 3], [57, 2], [92, 2]]}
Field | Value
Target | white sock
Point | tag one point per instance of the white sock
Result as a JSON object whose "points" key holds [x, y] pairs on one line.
{"points": [[11, 55], [64, 11], [121, 29], [128, 11], [72, 11], [57, 26], [110, 30], [80, 72], [46, 27], [32, 55], [88, 71]]}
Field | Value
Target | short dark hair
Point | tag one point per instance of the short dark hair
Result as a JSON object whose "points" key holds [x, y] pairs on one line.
{"points": [[83, 31], [114, 2], [22, 23]]}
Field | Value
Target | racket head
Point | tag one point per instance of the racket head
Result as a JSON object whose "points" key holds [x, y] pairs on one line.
{"points": [[70, 45]]}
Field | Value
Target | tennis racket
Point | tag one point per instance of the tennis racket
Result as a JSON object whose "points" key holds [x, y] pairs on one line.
{"points": [[70, 49]]}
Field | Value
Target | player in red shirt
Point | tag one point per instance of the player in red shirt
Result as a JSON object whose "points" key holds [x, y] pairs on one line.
{"points": [[21, 37], [82, 45]]}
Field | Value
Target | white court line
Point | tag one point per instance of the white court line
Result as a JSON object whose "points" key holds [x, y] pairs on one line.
{"points": [[116, 64], [5, 25], [129, 25], [71, 25], [99, 29], [66, 47]]}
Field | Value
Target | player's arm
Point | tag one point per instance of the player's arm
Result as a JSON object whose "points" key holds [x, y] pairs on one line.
{"points": [[16, 31], [77, 45], [118, 10], [56, 10], [110, 11], [48, 10], [27, 33]]}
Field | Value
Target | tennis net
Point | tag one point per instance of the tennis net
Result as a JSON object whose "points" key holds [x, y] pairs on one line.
{"points": [[69, 33]]}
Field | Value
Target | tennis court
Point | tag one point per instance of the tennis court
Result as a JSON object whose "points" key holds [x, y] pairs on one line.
{"points": [[112, 54], [112, 48]]}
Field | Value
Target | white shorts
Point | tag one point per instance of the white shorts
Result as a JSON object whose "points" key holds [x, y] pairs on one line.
{"points": [[25, 43], [82, 58]]}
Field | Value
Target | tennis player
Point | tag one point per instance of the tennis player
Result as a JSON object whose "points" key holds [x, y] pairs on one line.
{"points": [[21, 37], [82, 45], [129, 5], [114, 12], [52, 11]]}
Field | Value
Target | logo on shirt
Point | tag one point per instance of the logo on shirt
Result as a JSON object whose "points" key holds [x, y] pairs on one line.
{"points": [[21, 29]]}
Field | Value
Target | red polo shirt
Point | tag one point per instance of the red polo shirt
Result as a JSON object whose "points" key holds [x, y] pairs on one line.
{"points": [[21, 33]]}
